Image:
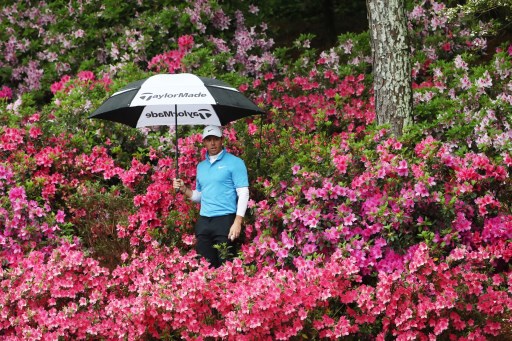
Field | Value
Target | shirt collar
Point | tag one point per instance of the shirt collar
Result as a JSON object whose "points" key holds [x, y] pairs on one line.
{"points": [[217, 157]]}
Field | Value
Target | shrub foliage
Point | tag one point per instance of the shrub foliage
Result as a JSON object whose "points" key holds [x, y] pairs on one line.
{"points": [[351, 232]]}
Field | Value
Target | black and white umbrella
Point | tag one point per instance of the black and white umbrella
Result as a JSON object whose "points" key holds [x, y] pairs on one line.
{"points": [[176, 99]]}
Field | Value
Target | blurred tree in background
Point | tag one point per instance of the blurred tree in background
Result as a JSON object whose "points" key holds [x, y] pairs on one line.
{"points": [[326, 19]]}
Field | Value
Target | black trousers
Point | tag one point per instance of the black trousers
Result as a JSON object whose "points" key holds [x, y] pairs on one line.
{"points": [[211, 231]]}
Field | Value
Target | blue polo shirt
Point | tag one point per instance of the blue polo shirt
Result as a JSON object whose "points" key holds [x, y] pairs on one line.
{"points": [[218, 182]]}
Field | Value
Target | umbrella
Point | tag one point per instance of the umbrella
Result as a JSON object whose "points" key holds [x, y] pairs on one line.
{"points": [[176, 99]]}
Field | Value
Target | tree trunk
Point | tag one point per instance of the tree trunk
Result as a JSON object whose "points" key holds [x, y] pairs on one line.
{"points": [[391, 63], [330, 21]]}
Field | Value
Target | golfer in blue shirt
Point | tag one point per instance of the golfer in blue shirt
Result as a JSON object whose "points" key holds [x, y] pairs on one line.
{"points": [[222, 188]]}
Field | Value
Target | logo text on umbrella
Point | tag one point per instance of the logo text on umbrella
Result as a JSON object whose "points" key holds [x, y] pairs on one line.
{"points": [[202, 113], [147, 96]]}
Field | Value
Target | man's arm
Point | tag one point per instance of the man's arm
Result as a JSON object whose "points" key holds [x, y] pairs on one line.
{"points": [[236, 228], [193, 195], [243, 200]]}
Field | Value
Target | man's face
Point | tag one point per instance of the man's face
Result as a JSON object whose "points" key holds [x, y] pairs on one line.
{"points": [[213, 144]]}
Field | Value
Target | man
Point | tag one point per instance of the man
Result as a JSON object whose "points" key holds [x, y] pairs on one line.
{"points": [[222, 188]]}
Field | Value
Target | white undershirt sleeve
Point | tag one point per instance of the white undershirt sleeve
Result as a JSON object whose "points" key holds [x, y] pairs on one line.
{"points": [[196, 196], [243, 200]]}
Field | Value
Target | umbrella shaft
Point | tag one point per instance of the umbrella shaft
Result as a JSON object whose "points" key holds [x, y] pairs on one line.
{"points": [[176, 137]]}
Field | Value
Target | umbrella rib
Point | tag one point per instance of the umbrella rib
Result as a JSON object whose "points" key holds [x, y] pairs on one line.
{"points": [[123, 91], [223, 87]]}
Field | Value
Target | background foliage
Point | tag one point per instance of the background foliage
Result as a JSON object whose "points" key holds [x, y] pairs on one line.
{"points": [[350, 233]]}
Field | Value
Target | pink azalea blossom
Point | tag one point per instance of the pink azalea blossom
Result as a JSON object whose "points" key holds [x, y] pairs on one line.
{"points": [[5, 92], [252, 129]]}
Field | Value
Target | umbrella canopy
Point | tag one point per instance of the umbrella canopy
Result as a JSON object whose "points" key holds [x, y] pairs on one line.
{"points": [[176, 99]]}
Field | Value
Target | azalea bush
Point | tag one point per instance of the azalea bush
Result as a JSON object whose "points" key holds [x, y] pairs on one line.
{"points": [[351, 232], [44, 41]]}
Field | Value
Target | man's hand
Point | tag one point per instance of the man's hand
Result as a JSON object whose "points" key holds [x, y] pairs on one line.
{"points": [[177, 184], [236, 228]]}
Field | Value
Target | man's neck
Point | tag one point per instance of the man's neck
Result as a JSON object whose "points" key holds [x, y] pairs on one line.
{"points": [[213, 158]]}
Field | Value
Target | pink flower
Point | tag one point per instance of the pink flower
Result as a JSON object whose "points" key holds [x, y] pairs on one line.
{"points": [[441, 325], [282, 253], [421, 190], [189, 239], [340, 161], [419, 258], [106, 81], [35, 132], [460, 63], [402, 168], [417, 13], [60, 85], [492, 328], [5, 173], [486, 201], [34, 118], [253, 9], [349, 220], [56, 87], [287, 241], [17, 194], [79, 33], [252, 129], [507, 158], [5, 92], [465, 83], [342, 327], [124, 256], [185, 42], [86, 76], [309, 248], [60, 216], [461, 223], [493, 302], [497, 228], [485, 81]]}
